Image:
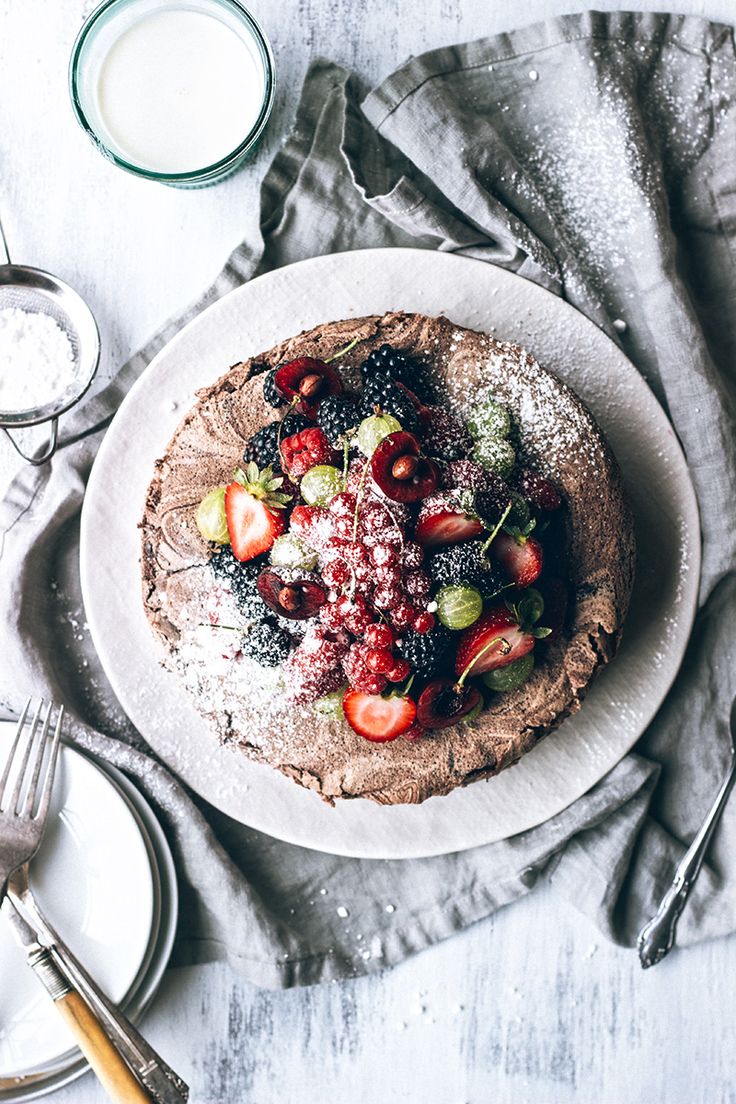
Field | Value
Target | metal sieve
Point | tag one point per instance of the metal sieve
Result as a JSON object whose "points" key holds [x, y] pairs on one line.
{"points": [[39, 292]]}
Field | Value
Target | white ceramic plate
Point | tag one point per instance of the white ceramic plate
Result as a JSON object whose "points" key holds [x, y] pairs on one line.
{"points": [[93, 878], [275, 306]]}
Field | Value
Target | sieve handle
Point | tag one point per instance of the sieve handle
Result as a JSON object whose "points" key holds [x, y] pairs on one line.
{"points": [[4, 245], [50, 448]]}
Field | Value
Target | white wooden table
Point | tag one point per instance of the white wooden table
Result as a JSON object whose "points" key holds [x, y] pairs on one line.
{"points": [[530, 1005]]}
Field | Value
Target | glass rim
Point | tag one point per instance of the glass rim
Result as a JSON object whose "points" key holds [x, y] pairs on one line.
{"points": [[214, 169]]}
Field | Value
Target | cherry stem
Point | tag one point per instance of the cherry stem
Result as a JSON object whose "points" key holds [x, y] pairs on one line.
{"points": [[345, 463], [341, 352], [497, 529], [359, 499], [461, 681]]}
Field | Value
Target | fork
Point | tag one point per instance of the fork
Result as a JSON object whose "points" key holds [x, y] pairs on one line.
{"points": [[23, 814], [657, 937]]}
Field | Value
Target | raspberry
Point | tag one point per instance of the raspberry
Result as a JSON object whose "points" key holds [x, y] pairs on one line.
{"points": [[315, 667], [418, 584], [379, 636], [384, 597], [412, 556], [402, 615], [389, 575], [305, 449], [444, 435], [358, 615]]}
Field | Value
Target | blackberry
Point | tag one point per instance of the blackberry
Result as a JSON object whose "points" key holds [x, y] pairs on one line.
{"points": [[263, 445], [266, 643], [242, 578], [270, 394], [391, 363], [465, 564], [336, 415], [381, 391], [425, 651]]}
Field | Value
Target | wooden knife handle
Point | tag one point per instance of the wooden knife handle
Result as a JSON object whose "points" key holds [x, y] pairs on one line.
{"points": [[112, 1071]]}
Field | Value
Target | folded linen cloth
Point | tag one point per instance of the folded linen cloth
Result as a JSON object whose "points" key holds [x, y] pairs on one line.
{"points": [[592, 154]]}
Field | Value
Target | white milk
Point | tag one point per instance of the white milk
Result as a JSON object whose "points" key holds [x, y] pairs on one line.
{"points": [[178, 91]]}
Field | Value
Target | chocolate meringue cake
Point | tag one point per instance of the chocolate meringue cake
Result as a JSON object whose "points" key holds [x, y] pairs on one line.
{"points": [[387, 556]]}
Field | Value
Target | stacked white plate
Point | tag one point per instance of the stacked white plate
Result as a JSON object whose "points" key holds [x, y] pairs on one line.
{"points": [[105, 878]]}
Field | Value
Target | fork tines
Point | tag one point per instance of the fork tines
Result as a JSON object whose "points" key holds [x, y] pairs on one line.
{"points": [[33, 745]]}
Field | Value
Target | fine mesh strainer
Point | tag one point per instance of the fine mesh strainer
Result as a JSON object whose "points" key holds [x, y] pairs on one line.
{"points": [[38, 292]]}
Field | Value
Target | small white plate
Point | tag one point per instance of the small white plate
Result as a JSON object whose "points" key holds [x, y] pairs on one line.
{"points": [[275, 306], [93, 879]]}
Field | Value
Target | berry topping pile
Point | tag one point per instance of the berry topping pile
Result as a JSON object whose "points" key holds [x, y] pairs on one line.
{"points": [[396, 563]]}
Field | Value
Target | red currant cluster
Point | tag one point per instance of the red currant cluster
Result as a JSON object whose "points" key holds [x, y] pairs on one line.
{"points": [[376, 587]]}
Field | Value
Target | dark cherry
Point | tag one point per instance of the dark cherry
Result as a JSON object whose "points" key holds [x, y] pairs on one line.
{"points": [[443, 703], [297, 600], [305, 382], [401, 471]]}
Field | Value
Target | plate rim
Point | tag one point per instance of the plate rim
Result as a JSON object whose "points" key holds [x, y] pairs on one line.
{"points": [[685, 493], [70, 1065]]}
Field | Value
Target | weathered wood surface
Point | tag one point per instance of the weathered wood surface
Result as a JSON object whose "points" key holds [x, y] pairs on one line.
{"points": [[529, 1006]]}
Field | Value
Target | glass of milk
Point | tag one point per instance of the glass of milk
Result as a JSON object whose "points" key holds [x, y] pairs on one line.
{"points": [[177, 91]]}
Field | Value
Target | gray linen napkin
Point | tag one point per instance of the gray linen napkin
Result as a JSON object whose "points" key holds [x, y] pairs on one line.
{"points": [[594, 155]]}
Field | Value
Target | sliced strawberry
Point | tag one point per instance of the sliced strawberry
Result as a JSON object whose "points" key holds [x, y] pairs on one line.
{"points": [[304, 450], [376, 718], [495, 640], [521, 559], [442, 520], [251, 525], [538, 490]]}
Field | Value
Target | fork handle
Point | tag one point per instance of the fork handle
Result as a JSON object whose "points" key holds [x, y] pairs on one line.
{"points": [[657, 937], [113, 1073]]}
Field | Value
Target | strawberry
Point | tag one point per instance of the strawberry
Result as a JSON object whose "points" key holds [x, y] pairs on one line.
{"points": [[520, 557], [495, 640], [304, 450], [254, 511], [378, 719], [442, 520]]}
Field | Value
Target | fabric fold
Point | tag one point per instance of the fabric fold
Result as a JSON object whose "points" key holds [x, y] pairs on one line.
{"points": [[592, 154]]}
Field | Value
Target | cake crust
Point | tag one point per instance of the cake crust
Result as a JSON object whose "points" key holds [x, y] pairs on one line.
{"points": [[557, 436]]}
